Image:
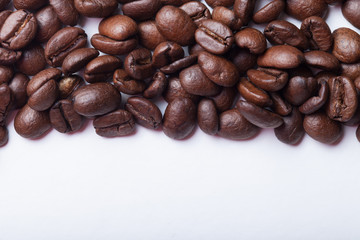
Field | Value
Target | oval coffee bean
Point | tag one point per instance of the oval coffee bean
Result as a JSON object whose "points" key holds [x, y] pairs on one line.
{"points": [[268, 79], [118, 27], [350, 9], [48, 23], [269, 12], [197, 11], [301, 9], [253, 94], [225, 99], [29, 5], [318, 32], [66, 11], [207, 117], [175, 90], [323, 60], [4, 136], [299, 89], [251, 39], [282, 56], [78, 59], [244, 10], [166, 53], [292, 130], [146, 113], [6, 73], [316, 102], [115, 124], [18, 87], [101, 68], [30, 123], [179, 64], [96, 99], [179, 118], [149, 35], [157, 86], [346, 45], [63, 117], [140, 10], [138, 64], [280, 106], [126, 84], [32, 60], [5, 102], [94, 8], [68, 85], [227, 17]]}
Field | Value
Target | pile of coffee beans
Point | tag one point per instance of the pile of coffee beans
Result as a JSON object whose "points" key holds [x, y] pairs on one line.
{"points": [[232, 81]]}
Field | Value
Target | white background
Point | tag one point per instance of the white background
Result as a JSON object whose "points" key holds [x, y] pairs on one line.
{"points": [[147, 186]]}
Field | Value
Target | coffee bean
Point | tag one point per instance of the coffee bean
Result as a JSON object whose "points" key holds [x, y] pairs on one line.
{"points": [[350, 10], [9, 57], [227, 17], [149, 35], [157, 86], [207, 117], [179, 64], [101, 68], [346, 45], [19, 30], [18, 87], [280, 106], [29, 4], [5, 102], [322, 60], [32, 60], [318, 33], [138, 64], [4, 136], [48, 23], [175, 90], [224, 3], [66, 11], [253, 94], [96, 99], [314, 103], [242, 58], [291, 131], [299, 89], [145, 113], [251, 39], [69, 84], [166, 53], [118, 27], [115, 124], [126, 84], [6, 73], [225, 99], [63, 117], [301, 9], [94, 8], [113, 47], [282, 56], [244, 10], [197, 11], [268, 79], [269, 12], [78, 59]]}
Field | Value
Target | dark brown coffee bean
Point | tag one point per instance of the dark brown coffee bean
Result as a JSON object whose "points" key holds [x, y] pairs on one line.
{"points": [[63, 117], [19, 30], [5, 102], [157, 86], [66, 11], [78, 59], [6, 73], [69, 84], [9, 57], [234, 126], [244, 10], [346, 45], [32, 60], [292, 130], [175, 25], [197, 11], [166, 53], [145, 113], [3, 4], [138, 64], [149, 35], [225, 99], [251, 39], [243, 59], [321, 128], [118, 27], [280, 106], [282, 56], [175, 90], [115, 124], [4, 15], [48, 23], [224, 3], [318, 33], [4, 136], [179, 64], [342, 102], [18, 87], [30, 123], [253, 94], [180, 118], [101, 68], [314, 103], [268, 79], [299, 89], [43, 90], [322, 60], [126, 84], [218, 69], [29, 4], [207, 117], [350, 9], [95, 8], [259, 116], [62, 43], [113, 47], [140, 10], [194, 81], [280, 32], [351, 70], [227, 17], [269, 12], [301, 9]]}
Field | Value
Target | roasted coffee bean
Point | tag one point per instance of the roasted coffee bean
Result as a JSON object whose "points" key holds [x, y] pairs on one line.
{"points": [[207, 117], [48, 23], [179, 64], [9, 57], [318, 33], [180, 118], [32, 60], [175, 25], [115, 124], [214, 36], [323, 60], [94, 8], [218, 69], [197, 11], [269, 12], [259, 116], [78, 59], [280, 106], [69, 84], [101, 68], [138, 64], [149, 35], [342, 103], [118, 27], [62, 43], [113, 47], [242, 58], [5, 102], [30, 123], [253, 94], [194, 81], [282, 56], [4, 136], [63, 117], [145, 113], [166, 53], [3, 16], [66, 11], [244, 10], [314, 103], [43, 89], [227, 17], [351, 70], [321, 128], [234, 126], [301, 9], [268, 79], [175, 90], [225, 99], [96, 99], [141, 9], [6, 73], [350, 9], [3, 4], [299, 89], [18, 87], [224, 3], [19, 30], [126, 84], [346, 45], [251, 39], [292, 130], [29, 4], [280, 32], [157, 86]]}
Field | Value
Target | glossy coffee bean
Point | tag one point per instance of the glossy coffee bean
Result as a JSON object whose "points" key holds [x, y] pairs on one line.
{"points": [[118, 27], [48, 23], [19, 30], [251, 39], [138, 64], [115, 124], [322, 60], [227, 17], [4, 136], [314, 103], [5, 102], [157, 86], [269, 12], [268, 79], [101, 68], [113, 47], [96, 99], [351, 70], [145, 113], [63, 117], [350, 9], [346, 45], [253, 94], [166, 53], [175, 90], [234, 126], [30, 123], [180, 118], [299, 89], [126, 84], [68, 85], [140, 10], [179, 64], [280, 106], [318, 33], [78, 59], [32, 60], [243, 59], [62, 43], [282, 56], [244, 10], [43, 89], [6, 73], [4, 15], [292, 130], [224, 3], [29, 4], [98, 9], [66, 11], [207, 117], [197, 11], [225, 99], [18, 87], [9, 57], [149, 35], [301, 9]]}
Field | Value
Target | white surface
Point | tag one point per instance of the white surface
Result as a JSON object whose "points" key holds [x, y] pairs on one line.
{"points": [[147, 186]]}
